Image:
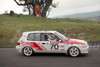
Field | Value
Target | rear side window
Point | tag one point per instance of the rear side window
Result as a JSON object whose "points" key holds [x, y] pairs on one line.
{"points": [[33, 37]]}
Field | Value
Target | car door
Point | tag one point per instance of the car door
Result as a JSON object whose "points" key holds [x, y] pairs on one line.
{"points": [[57, 46], [45, 43], [34, 40], [52, 43]]}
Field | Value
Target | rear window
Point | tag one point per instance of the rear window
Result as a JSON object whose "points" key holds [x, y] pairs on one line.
{"points": [[33, 37]]}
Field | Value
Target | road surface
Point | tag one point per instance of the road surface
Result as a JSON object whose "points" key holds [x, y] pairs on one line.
{"points": [[9, 57]]}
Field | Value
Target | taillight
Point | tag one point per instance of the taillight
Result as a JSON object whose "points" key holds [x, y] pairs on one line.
{"points": [[18, 43]]}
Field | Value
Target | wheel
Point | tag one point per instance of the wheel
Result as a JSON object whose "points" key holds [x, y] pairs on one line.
{"points": [[74, 51], [27, 51]]}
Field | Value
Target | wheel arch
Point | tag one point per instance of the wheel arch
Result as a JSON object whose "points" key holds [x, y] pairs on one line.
{"points": [[27, 46], [71, 47]]}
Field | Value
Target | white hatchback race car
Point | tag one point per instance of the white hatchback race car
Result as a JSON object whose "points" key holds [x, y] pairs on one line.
{"points": [[50, 42]]}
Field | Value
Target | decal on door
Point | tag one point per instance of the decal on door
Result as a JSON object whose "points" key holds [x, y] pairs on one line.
{"points": [[38, 46], [55, 46]]}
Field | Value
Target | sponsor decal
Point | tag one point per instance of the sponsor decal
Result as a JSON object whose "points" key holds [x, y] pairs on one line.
{"points": [[61, 46], [62, 49], [54, 42]]}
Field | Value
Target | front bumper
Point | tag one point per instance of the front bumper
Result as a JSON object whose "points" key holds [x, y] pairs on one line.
{"points": [[85, 49]]}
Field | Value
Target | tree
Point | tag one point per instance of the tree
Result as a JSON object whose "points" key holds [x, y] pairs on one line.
{"points": [[44, 5]]}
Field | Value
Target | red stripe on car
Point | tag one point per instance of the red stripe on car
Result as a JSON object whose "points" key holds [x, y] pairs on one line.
{"points": [[33, 45], [71, 41]]}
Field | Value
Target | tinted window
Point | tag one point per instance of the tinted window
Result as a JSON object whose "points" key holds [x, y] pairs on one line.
{"points": [[49, 37], [33, 37], [44, 37]]}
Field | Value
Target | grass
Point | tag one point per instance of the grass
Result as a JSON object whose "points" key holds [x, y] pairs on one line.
{"points": [[11, 28]]}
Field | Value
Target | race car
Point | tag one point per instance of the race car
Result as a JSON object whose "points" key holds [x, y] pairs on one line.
{"points": [[50, 42]]}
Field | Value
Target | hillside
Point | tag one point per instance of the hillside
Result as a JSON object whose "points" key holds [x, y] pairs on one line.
{"points": [[11, 28], [95, 16]]}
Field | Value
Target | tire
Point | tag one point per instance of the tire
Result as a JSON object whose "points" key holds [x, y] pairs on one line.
{"points": [[74, 51], [28, 51]]}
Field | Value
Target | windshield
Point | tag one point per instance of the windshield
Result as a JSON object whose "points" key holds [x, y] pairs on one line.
{"points": [[61, 36]]}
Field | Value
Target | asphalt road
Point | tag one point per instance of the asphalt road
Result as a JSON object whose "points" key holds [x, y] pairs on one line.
{"points": [[9, 57]]}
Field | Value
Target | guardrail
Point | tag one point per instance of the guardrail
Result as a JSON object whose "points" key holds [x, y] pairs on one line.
{"points": [[94, 45]]}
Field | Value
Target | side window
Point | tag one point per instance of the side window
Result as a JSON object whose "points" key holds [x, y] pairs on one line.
{"points": [[33, 37], [44, 37], [49, 37], [52, 37]]}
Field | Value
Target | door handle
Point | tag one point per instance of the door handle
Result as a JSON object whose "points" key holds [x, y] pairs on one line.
{"points": [[43, 43]]}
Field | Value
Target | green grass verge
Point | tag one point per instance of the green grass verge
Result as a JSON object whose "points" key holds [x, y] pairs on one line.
{"points": [[11, 28]]}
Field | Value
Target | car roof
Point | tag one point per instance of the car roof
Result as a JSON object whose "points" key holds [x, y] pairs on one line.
{"points": [[39, 32]]}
